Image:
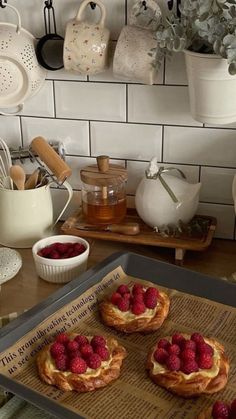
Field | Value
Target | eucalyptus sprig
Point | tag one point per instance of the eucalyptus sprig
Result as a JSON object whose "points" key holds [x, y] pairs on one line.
{"points": [[207, 26]]}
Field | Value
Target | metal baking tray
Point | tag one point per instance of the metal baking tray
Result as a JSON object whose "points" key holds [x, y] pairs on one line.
{"points": [[164, 274]]}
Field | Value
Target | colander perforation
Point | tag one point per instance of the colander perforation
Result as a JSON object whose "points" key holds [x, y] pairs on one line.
{"points": [[6, 79], [20, 74]]}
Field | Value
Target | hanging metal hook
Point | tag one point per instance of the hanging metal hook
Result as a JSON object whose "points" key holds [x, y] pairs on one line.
{"points": [[144, 4], [3, 3], [93, 5], [48, 4]]}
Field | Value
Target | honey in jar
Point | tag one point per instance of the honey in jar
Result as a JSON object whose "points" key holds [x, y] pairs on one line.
{"points": [[103, 192]]}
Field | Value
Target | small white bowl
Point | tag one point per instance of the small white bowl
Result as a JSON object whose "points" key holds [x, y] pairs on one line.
{"points": [[60, 270]]}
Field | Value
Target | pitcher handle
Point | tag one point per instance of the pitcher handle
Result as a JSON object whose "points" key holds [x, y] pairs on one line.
{"points": [[70, 192], [85, 3]]}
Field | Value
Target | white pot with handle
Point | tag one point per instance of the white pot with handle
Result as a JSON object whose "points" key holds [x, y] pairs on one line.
{"points": [[163, 199], [86, 43], [27, 216], [21, 76]]}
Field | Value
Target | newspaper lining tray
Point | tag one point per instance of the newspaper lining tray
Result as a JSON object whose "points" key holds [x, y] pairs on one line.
{"points": [[16, 335]]}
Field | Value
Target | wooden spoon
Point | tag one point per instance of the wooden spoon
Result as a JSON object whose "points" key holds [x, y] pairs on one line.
{"points": [[17, 174], [32, 180]]}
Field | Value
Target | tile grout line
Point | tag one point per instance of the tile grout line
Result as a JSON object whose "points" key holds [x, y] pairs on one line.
{"points": [[54, 100], [162, 143], [124, 122], [21, 132], [89, 138]]}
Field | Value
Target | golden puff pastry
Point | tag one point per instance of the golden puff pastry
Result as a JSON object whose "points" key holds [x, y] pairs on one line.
{"points": [[142, 313], [91, 378], [174, 370]]}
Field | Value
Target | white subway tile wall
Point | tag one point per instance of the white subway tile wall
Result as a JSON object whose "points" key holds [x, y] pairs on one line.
{"points": [[99, 101], [74, 134], [42, 103], [129, 141], [126, 120]]}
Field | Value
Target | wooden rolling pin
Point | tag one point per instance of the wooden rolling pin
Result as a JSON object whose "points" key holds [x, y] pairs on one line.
{"points": [[51, 159]]}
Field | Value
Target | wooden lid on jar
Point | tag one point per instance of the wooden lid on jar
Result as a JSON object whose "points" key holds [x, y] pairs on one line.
{"points": [[103, 173]]}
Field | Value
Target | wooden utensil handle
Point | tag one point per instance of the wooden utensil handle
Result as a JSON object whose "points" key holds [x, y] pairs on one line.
{"points": [[52, 160], [130, 229], [31, 182]]}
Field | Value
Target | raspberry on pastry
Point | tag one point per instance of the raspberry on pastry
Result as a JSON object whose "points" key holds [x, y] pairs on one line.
{"points": [[192, 370], [81, 363], [219, 410], [135, 308]]}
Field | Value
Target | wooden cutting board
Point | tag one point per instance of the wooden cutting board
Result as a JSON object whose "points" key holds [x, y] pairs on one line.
{"points": [[199, 240]]}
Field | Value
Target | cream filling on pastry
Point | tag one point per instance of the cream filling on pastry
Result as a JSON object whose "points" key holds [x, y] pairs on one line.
{"points": [[210, 373], [89, 372], [128, 315]]}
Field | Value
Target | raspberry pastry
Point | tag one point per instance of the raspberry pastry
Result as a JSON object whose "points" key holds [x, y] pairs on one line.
{"points": [[220, 410], [135, 309], [80, 363], [188, 365]]}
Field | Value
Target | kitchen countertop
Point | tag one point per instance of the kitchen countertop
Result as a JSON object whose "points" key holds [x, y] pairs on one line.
{"points": [[26, 289]]}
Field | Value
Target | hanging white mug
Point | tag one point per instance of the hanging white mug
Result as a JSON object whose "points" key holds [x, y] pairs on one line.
{"points": [[134, 57], [86, 43], [132, 60], [27, 216]]}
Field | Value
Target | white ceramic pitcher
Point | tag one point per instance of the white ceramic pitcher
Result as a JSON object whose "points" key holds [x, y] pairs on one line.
{"points": [[27, 216], [162, 199]]}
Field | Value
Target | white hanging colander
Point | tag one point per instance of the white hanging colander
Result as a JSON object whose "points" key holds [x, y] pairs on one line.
{"points": [[21, 76]]}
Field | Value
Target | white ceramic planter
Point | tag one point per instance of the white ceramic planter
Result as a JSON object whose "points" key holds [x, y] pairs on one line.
{"points": [[212, 90]]}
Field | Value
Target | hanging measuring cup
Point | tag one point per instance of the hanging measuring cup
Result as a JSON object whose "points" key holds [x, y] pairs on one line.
{"points": [[49, 49]]}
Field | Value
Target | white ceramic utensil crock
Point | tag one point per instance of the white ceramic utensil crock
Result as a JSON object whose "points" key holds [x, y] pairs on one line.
{"points": [[157, 208], [27, 216], [86, 43]]}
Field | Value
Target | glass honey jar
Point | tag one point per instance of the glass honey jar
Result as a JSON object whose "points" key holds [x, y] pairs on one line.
{"points": [[103, 192]]}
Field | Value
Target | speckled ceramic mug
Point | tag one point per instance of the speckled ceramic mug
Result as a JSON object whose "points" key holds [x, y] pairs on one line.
{"points": [[132, 59], [86, 43]]}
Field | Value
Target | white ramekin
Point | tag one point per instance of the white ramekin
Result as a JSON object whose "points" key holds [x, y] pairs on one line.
{"points": [[60, 270]]}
